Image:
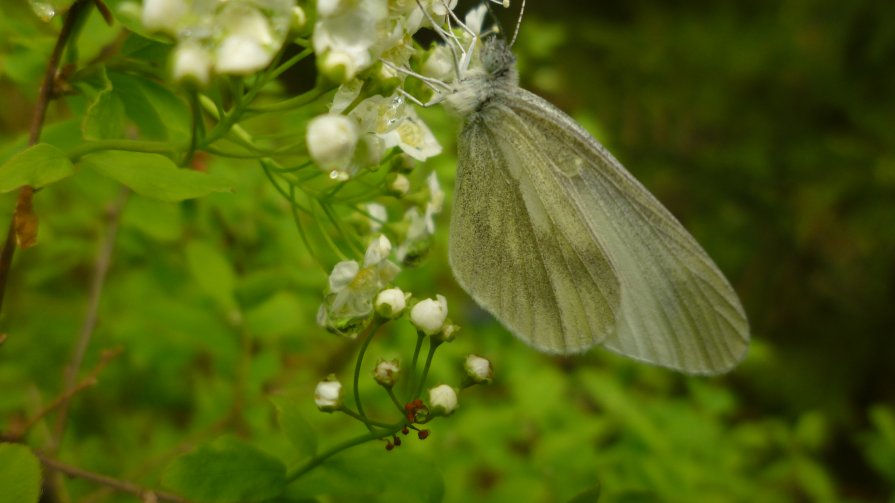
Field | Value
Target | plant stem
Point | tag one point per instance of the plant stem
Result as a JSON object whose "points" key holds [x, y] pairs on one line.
{"points": [[320, 458], [103, 261], [360, 359], [121, 485], [45, 94], [433, 345]]}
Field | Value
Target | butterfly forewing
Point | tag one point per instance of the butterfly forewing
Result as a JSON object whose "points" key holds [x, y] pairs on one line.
{"points": [[521, 249]]}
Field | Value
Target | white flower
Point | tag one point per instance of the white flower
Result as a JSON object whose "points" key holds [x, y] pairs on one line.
{"points": [[390, 119], [418, 238], [241, 55], [243, 35], [343, 274], [387, 372], [328, 394], [478, 369], [378, 250], [443, 400], [378, 216], [351, 28], [440, 64], [436, 196], [164, 15], [327, 8], [413, 137], [390, 303], [348, 306], [429, 315], [192, 62], [331, 140]]}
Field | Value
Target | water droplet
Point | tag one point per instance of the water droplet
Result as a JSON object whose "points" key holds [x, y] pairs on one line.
{"points": [[44, 10]]}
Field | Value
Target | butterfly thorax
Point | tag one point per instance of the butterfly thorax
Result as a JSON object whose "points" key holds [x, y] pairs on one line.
{"points": [[495, 74]]}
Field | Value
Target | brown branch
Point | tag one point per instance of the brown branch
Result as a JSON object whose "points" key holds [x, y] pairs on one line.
{"points": [[144, 493], [17, 433], [45, 94], [103, 261]]}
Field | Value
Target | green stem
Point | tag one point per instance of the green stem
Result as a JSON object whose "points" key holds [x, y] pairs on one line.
{"points": [[416, 354], [398, 404], [320, 458], [357, 416], [360, 359], [433, 345]]}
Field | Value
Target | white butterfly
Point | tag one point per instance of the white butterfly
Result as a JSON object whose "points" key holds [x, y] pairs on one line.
{"points": [[560, 243]]}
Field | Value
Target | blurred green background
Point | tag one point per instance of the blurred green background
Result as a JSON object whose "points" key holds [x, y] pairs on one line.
{"points": [[765, 127]]}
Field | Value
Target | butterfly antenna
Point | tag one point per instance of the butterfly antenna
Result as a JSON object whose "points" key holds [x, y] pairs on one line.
{"points": [[518, 24]]}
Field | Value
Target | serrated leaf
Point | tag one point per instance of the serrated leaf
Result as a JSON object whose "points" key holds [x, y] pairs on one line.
{"points": [[153, 175], [296, 428], [105, 117], [20, 476], [213, 272], [226, 471], [37, 166]]}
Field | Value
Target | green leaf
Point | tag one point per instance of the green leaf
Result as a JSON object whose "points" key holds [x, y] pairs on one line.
{"points": [[153, 175], [293, 424], [157, 112], [213, 272], [105, 117], [373, 474], [591, 495], [228, 470], [37, 166], [19, 474]]}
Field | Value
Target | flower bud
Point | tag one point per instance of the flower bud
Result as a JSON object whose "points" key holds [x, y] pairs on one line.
{"points": [[191, 63], [390, 303], [387, 372], [298, 20], [331, 140], [398, 184], [163, 15], [328, 395], [448, 332], [338, 66], [241, 55], [442, 400], [478, 369], [428, 315]]}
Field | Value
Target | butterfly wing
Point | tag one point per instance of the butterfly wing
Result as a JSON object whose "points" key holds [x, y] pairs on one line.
{"points": [[671, 305], [545, 278]]}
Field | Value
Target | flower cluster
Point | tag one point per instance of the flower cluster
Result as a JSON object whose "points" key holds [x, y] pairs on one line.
{"points": [[234, 37]]}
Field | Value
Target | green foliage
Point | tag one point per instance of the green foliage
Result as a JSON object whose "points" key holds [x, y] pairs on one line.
{"points": [[226, 471], [37, 166], [295, 427], [368, 475], [19, 474], [765, 127], [153, 175]]}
